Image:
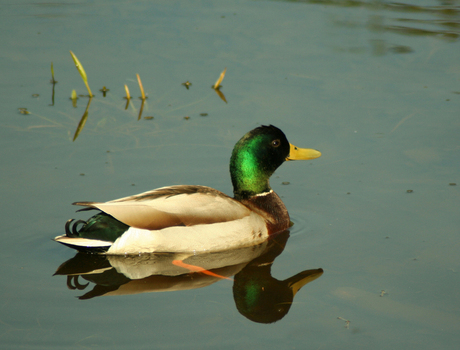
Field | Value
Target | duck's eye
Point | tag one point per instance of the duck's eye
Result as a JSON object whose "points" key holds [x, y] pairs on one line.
{"points": [[276, 143]]}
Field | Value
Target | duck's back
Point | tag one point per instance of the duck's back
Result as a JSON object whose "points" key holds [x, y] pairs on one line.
{"points": [[173, 206]]}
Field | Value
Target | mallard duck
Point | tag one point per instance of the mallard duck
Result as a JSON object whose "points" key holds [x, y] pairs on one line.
{"points": [[193, 219]]}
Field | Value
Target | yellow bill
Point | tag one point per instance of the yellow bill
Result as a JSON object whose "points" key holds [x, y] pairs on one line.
{"points": [[297, 153]]}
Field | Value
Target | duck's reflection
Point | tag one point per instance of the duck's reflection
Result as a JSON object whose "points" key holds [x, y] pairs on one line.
{"points": [[262, 298], [258, 296]]}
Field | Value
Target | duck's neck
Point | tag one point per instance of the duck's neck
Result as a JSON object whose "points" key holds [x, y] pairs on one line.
{"points": [[270, 206], [249, 178]]}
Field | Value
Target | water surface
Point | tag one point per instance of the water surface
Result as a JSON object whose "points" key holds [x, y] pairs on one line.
{"points": [[373, 85]]}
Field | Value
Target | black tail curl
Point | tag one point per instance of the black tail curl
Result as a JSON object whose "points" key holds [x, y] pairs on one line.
{"points": [[72, 231]]}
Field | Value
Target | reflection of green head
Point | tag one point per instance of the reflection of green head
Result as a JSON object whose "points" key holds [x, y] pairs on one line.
{"points": [[254, 159], [262, 300]]}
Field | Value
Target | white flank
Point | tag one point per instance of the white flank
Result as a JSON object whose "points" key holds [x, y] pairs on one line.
{"points": [[247, 231]]}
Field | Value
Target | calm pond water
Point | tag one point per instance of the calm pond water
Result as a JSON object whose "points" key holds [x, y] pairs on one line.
{"points": [[373, 85]]}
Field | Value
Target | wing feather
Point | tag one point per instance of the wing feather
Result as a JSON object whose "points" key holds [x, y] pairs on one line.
{"points": [[173, 206]]}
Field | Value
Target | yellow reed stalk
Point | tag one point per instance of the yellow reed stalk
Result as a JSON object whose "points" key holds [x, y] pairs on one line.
{"points": [[128, 96], [221, 77], [141, 87], [82, 72], [52, 75]]}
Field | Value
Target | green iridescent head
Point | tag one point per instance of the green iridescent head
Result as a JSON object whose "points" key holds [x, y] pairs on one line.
{"points": [[257, 155]]}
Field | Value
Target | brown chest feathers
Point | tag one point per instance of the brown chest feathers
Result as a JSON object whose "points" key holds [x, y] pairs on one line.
{"points": [[272, 209]]}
